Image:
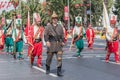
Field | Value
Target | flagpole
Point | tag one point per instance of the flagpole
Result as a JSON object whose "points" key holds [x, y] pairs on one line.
{"points": [[68, 15]]}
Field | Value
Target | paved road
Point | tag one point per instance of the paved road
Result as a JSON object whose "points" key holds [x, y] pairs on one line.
{"points": [[90, 66]]}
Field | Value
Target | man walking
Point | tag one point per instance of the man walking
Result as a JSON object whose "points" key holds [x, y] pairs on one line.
{"points": [[54, 37], [36, 36], [112, 42], [90, 36]]}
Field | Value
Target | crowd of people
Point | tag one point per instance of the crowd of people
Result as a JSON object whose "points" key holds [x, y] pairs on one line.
{"points": [[54, 36]]}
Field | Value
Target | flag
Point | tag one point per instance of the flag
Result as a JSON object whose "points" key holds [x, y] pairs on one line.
{"points": [[106, 23], [28, 29], [27, 25]]}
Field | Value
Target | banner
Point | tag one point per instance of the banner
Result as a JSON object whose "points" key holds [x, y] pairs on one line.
{"points": [[106, 23], [66, 14]]}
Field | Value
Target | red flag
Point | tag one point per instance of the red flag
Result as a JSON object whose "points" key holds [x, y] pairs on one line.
{"points": [[28, 29]]}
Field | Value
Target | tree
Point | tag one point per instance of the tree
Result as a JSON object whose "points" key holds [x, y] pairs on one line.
{"points": [[117, 8], [76, 7]]}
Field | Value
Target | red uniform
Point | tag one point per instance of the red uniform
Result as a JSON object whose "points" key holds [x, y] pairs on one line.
{"points": [[1, 39], [90, 37], [35, 40], [113, 47]]}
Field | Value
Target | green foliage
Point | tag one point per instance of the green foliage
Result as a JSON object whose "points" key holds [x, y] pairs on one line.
{"points": [[58, 7], [117, 8]]}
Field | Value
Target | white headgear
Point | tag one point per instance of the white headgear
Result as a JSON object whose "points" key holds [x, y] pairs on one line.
{"points": [[36, 17]]}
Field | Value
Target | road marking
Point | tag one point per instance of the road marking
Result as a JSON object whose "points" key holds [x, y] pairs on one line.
{"points": [[111, 62], [42, 70], [3, 61], [95, 43]]}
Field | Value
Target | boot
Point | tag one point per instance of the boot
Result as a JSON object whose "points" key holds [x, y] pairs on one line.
{"points": [[32, 61], [59, 72], [47, 69], [39, 62], [116, 58], [107, 58], [14, 56]]}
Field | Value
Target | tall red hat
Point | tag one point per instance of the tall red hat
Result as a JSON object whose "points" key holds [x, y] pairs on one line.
{"points": [[112, 21], [36, 17]]}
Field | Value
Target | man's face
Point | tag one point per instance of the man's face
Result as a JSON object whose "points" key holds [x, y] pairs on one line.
{"points": [[112, 25], [38, 21], [54, 20]]}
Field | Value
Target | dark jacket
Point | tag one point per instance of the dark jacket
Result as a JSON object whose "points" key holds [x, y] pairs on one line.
{"points": [[55, 35]]}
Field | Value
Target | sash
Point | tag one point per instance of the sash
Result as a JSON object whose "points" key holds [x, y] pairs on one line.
{"points": [[77, 32], [18, 36], [8, 31], [36, 34]]}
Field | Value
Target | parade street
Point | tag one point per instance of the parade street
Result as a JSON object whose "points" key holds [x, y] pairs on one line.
{"points": [[90, 66]]}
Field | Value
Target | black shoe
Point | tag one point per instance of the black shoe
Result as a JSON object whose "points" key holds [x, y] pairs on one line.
{"points": [[47, 69], [14, 56], [59, 72]]}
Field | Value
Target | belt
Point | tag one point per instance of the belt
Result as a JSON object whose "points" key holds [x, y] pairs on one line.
{"points": [[8, 35], [20, 39], [37, 40], [115, 39]]}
